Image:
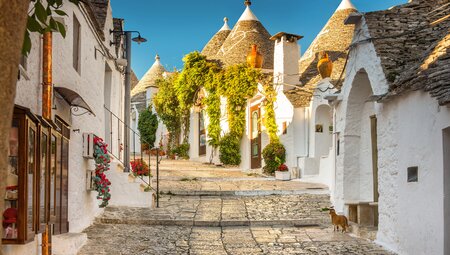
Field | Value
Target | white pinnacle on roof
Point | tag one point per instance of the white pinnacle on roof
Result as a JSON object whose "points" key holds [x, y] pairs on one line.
{"points": [[225, 25], [149, 80], [248, 14], [345, 4]]}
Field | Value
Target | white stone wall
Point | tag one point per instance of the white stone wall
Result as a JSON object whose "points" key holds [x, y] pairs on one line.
{"points": [[362, 57], [410, 134], [89, 83]]}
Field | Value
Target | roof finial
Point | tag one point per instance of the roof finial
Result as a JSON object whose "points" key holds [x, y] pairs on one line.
{"points": [[346, 4], [247, 3], [157, 58], [225, 25]]}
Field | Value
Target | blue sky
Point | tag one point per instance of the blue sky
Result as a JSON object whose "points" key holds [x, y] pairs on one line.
{"points": [[177, 27]]}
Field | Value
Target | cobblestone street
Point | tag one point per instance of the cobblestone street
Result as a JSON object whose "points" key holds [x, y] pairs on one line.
{"points": [[224, 212]]}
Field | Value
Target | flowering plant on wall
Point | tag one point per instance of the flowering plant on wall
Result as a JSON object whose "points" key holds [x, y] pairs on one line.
{"points": [[139, 168], [102, 161]]}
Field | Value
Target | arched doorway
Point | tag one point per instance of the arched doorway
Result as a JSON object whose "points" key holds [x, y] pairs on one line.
{"points": [[361, 153], [323, 131]]}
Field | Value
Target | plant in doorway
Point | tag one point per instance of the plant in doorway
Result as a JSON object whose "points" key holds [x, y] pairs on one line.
{"points": [[102, 160]]}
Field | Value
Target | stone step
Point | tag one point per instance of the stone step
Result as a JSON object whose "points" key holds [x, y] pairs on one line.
{"points": [[365, 232], [306, 222], [246, 193]]}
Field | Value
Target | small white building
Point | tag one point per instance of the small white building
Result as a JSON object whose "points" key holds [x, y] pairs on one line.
{"points": [[392, 127], [142, 98]]}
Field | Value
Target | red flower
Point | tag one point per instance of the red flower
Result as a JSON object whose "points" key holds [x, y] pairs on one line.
{"points": [[283, 168]]}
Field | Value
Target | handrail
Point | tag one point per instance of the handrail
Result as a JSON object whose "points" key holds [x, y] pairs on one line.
{"points": [[142, 140]]}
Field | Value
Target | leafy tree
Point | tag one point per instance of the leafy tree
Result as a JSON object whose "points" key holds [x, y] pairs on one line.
{"points": [[147, 126], [167, 106]]}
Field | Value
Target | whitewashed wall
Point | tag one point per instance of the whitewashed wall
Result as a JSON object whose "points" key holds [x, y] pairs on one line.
{"points": [[362, 57], [410, 134], [89, 83]]}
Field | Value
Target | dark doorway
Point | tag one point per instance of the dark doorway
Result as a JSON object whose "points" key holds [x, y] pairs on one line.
{"points": [[202, 134], [255, 137]]}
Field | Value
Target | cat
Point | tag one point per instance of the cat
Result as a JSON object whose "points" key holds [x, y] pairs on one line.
{"points": [[338, 220]]}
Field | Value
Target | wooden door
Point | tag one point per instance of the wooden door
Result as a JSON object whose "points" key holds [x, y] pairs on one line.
{"points": [[255, 137], [202, 134]]}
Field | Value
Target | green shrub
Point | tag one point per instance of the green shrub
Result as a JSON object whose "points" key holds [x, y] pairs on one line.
{"points": [[182, 151], [147, 126], [274, 155], [230, 153]]}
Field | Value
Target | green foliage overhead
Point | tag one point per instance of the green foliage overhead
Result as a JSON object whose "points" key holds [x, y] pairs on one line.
{"points": [[147, 126], [230, 149], [41, 19], [274, 155]]}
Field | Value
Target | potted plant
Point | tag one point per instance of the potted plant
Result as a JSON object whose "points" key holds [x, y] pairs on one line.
{"points": [[139, 168], [282, 173]]}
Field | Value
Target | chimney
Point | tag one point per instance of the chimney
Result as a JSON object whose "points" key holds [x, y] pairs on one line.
{"points": [[47, 81], [287, 55]]}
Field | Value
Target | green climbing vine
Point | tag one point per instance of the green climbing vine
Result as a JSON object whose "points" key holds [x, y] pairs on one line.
{"points": [[212, 103], [188, 85], [269, 109], [178, 94], [240, 84]]}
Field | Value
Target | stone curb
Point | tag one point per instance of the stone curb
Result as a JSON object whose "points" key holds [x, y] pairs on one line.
{"points": [[224, 223], [248, 193]]}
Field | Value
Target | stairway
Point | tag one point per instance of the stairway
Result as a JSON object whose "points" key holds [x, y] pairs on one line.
{"points": [[127, 191]]}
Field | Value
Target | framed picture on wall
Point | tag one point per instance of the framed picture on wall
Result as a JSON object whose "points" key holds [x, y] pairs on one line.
{"points": [[319, 128]]}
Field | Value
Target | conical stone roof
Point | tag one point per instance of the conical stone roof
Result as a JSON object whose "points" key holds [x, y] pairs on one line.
{"points": [[335, 38], [247, 31], [154, 73], [213, 46]]}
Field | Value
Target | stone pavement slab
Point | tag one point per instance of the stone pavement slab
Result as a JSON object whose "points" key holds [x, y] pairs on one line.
{"points": [[158, 240], [225, 211]]}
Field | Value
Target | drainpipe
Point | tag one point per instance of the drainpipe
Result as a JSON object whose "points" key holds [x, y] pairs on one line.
{"points": [[47, 80], [47, 83]]}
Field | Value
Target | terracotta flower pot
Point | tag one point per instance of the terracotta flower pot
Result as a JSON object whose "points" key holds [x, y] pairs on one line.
{"points": [[325, 65], [254, 58]]}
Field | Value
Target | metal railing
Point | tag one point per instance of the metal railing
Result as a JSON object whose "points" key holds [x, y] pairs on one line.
{"points": [[115, 148]]}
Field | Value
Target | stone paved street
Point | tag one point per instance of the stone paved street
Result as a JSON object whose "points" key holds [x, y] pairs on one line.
{"points": [[223, 211]]}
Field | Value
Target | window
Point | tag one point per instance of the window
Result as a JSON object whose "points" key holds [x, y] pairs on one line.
{"points": [[19, 216], [413, 174], [76, 44]]}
